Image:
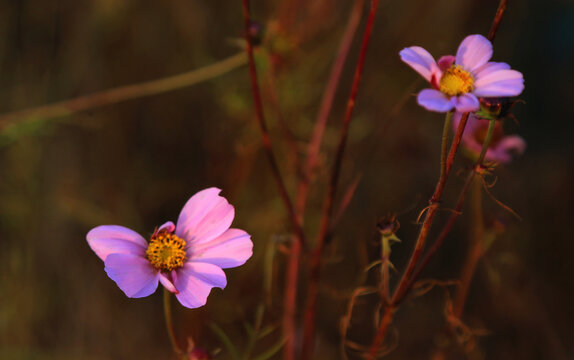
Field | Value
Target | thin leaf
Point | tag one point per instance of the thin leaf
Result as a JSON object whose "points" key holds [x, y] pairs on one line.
{"points": [[271, 351], [225, 340], [266, 331]]}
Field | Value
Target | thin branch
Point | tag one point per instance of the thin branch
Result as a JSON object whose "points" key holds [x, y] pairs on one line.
{"points": [[326, 105], [446, 230], [169, 322], [402, 289], [310, 312], [475, 251], [405, 282], [264, 132], [299, 241], [497, 19], [123, 93]]}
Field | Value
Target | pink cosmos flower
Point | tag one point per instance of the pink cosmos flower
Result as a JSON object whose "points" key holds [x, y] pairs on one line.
{"points": [[458, 81], [186, 258], [502, 149]]}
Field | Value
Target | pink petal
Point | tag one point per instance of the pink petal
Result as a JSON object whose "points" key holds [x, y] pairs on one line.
{"points": [[114, 239], [489, 68], [195, 281], [230, 249], [205, 216], [421, 61], [473, 52], [499, 83], [467, 103], [446, 61], [507, 149], [165, 280], [134, 274], [434, 100], [168, 226]]}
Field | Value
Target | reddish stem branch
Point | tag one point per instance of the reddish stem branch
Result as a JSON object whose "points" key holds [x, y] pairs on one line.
{"points": [[381, 332], [497, 19], [458, 208], [326, 105], [405, 282], [408, 277], [264, 132], [474, 252], [310, 312], [290, 301], [446, 230], [402, 288], [291, 285]]}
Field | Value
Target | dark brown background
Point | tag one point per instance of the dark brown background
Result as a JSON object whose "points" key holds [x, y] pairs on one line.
{"points": [[137, 162]]}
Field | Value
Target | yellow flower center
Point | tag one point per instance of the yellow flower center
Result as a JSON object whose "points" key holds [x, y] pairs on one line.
{"points": [[166, 251], [456, 81]]}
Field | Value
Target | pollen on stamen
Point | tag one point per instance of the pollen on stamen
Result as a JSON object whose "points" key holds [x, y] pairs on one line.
{"points": [[456, 81], [166, 251]]}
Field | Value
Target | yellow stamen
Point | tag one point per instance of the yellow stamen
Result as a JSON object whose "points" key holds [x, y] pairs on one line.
{"points": [[456, 81], [166, 251]]}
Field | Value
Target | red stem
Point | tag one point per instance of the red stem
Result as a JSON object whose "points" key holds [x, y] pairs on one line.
{"points": [[408, 278], [402, 288], [291, 285], [497, 19], [290, 301], [310, 312], [264, 132], [405, 282], [474, 252], [326, 105], [446, 230], [381, 332]]}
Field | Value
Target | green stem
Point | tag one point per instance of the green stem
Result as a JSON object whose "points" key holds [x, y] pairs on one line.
{"points": [[475, 250], [122, 93], [169, 321], [487, 140], [444, 147], [386, 239]]}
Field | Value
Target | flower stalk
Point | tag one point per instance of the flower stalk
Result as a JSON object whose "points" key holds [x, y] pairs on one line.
{"points": [[476, 248], [169, 322], [444, 145], [310, 311], [487, 139]]}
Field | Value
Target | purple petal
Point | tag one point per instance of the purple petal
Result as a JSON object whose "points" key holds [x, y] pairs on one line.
{"points": [[113, 239], [489, 68], [445, 62], [134, 274], [434, 100], [473, 52], [467, 103], [230, 249], [165, 280], [168, 226], [195, 281], [205, 216], [421, 61], [507, 149], [499, 83]]}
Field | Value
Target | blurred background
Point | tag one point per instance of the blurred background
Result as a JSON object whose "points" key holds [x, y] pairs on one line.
{"points": [[135, 163]]}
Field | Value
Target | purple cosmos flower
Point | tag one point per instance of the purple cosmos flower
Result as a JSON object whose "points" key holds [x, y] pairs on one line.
{"points": [[502, 149], [186, 258], [458, 81]]}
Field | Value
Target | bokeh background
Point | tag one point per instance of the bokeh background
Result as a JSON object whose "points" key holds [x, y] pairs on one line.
{"points": [[136, 163]]}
